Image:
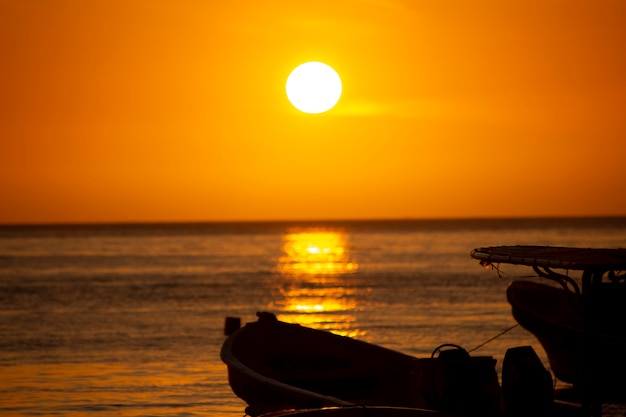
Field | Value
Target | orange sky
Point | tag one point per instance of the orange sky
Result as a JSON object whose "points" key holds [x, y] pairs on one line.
{"points": [[148, 110]]}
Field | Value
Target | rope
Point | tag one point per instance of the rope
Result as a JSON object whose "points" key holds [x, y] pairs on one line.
{"points": [[494, 338], [502, 274]]}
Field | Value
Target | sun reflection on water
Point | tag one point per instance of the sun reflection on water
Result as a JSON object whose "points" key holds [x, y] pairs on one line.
{"points": [[316, 252], [315, 293]]}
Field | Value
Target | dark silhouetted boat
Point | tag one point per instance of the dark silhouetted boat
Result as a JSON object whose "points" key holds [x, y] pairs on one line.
{"points": [[273, 365], [555, 316]]}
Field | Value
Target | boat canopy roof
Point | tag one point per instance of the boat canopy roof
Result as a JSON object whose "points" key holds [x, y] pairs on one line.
{"points": [[588, 259]]}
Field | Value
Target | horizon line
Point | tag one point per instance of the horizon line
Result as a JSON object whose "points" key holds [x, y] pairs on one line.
{"points": [[310, 221]]}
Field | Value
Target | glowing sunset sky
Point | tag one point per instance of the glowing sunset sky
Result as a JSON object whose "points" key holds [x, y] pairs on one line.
{"points": [[148, 110]]}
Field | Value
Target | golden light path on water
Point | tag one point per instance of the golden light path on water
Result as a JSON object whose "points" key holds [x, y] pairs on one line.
{"points": [[313, 270], [316, 253]]}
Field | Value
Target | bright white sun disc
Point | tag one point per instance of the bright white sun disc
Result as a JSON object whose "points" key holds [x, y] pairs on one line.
{"points": [[313, 87]]}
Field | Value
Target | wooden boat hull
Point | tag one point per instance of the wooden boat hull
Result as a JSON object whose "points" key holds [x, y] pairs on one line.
{"points": [[555, 317], [274, 365], [288, 365]]}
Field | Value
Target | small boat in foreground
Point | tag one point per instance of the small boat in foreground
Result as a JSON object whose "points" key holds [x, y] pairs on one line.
{"points": [[555, 316], [273, 365]]}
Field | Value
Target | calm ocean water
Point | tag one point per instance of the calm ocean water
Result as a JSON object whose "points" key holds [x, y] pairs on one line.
{"points": [[128, 320]]}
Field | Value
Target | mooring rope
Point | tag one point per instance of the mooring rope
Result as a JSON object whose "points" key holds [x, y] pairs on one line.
{"points": [[494, 338]]}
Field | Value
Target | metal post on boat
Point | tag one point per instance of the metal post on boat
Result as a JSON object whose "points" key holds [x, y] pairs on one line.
{"points": [[591, 403], [231, 324]]}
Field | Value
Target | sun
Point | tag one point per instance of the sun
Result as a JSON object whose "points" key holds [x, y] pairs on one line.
{"points": [[313, 87]]}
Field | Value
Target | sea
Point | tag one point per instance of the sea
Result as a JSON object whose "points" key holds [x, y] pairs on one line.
{"points": [[129, 319]]}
